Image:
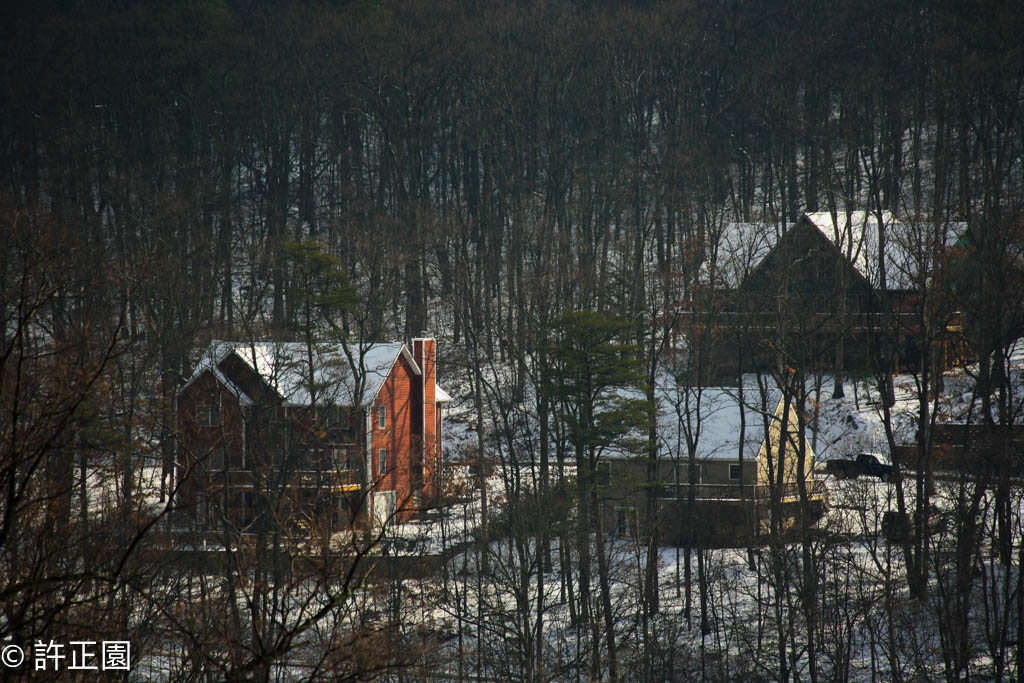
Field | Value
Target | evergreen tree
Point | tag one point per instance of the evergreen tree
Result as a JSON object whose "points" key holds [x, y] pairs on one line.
{"points": [[596, 381]]}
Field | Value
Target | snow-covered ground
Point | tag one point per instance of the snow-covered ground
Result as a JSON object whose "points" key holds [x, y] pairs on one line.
{"points": [[867, 623], [501, 598]]}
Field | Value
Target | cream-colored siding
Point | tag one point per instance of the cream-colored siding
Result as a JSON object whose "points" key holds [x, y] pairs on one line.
{"points": [[717, 472], [784, 450]]}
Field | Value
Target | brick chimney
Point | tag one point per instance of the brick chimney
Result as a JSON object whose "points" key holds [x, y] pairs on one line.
{"points": [[424, 352]]}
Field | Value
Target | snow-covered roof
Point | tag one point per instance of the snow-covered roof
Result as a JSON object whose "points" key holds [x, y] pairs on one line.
{"points": [[856, 236], [243, 397], [738, 250], [740, 247], [712, 415], [285, 367]]}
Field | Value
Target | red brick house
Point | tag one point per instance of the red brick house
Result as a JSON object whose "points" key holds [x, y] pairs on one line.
{"points": [[276, 434]]}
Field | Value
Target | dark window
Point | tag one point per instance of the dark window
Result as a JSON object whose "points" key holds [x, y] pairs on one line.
{"points": [[670, 488], [734, 471], [309, 460], [342, 425], [604, 474], [202, 512], [245, 508], [624, 520], [340, 458], [217, 459], [382, 417], [382, 461], [208, 415]]}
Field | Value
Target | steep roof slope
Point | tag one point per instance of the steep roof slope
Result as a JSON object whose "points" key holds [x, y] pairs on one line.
{"points": [[285, 367], [713, 418], [805, 262], [738, 250], [856, 235]]}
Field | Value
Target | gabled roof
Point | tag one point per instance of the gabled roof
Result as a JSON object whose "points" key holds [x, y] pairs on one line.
{"points": [[738, 250], [284, 366], [804, 261], [741, 248], [715, 411], [856, 235], [243, 397]]}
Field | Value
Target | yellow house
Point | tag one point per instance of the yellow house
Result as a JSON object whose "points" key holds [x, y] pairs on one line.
{"points": [[728, 461]]}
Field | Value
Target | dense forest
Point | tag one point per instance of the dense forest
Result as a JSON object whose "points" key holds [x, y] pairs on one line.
{"points": [[537, 184]]}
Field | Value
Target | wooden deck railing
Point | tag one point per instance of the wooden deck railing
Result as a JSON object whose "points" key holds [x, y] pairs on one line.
{"points": [[346, 479], [761, 493], [328, 478]]}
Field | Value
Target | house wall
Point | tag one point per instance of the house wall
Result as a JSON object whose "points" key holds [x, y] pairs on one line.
{"points": [[784, 449], [400, 437], [255, 440], [717, 472], [716, 520], [201, 446], [201, 440], [435, 464], [425, 352]]}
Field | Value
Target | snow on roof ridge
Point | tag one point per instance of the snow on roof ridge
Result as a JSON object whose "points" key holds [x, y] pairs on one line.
{"points": [[861, 227], [282, 366], [719, 415]]}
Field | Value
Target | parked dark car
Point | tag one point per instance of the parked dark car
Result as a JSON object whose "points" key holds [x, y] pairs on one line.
{"points": [[865, 463]]}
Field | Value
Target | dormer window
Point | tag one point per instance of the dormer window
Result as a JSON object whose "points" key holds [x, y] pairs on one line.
{"points": [[382, 417]]}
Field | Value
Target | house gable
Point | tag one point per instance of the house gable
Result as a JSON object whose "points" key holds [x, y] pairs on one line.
{"points": [[808, 266], [243, 376], [384, 371], [401, 431], [210, 420], [784, 447], [316, 427]]}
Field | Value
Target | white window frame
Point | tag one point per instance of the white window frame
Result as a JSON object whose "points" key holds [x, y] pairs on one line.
{"points": [[382, 417], [382, 461]]}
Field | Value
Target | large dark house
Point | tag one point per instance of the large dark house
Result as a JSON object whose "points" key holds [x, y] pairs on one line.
{"points": [[285, 435], [833, 291]]}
